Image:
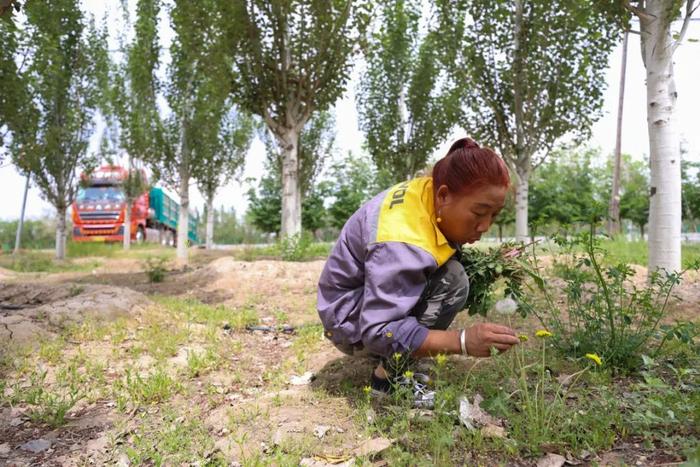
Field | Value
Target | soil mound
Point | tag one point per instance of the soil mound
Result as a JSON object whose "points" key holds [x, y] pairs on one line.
{"points": [[30, 310]]}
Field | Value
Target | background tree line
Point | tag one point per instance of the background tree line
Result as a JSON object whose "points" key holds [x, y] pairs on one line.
{"points": [[520, 76]]}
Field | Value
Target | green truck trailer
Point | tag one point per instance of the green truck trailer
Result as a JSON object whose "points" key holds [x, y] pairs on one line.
{"points": [[164, 215]]}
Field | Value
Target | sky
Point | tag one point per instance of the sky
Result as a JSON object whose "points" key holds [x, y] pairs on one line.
{"points": [[349, 137]]}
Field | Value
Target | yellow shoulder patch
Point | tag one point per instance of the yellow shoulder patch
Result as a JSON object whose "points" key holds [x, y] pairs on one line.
{"points": [[407, 215]]}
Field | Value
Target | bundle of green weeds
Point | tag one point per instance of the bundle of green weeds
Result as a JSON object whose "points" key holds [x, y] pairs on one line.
{"points": [[487, 270]]}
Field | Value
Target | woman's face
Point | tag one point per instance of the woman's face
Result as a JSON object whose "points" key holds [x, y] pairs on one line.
{"points": [[466, 217]]}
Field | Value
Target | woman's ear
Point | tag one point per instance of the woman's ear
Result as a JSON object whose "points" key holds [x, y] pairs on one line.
{"points": [[442, 194]]}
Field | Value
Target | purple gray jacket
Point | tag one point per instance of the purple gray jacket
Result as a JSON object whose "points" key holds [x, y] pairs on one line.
{"points": [[378, 269]]}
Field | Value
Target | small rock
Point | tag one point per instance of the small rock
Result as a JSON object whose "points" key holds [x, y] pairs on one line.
{"points": [[16, 422], [36, 445], [97, 444], [321, 430], [551, 460], [373, 446], [493, 431], [420, 414], [123, 461], [564, 379], [306, 378], [339, 430], [371, 415], [4, 449]]}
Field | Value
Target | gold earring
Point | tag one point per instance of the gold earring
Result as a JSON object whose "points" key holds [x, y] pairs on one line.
{"points": [[439, 219]]}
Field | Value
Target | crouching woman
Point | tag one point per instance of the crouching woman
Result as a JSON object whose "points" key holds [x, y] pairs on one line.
{"points": [[393, 283]]}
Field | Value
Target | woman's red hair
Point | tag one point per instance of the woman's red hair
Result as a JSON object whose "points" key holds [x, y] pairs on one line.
{"points": [[467, 167]]}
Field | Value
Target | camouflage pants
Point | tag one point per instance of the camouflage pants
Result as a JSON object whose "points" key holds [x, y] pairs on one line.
{"points": [[443, 297]]}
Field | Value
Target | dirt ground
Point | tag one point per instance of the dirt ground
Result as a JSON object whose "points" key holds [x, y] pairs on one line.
{"points": [[247, 404]]}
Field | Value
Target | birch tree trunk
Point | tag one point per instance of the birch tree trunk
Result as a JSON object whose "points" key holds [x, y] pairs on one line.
{"points": [[291, 188], [183, 218], [127, 224], [522, 189], [60, 233], [127, 206], [522, 162], [664, 141], [210, 222]]}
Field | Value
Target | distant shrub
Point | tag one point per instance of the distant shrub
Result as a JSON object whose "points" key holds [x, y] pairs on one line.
{"points": [[154, 267]]}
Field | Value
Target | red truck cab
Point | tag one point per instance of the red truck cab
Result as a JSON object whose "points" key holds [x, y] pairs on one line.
{"points": [[100, 207]]}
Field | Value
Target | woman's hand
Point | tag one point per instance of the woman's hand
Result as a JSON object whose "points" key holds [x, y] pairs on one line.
{"points": [[482, 337]]}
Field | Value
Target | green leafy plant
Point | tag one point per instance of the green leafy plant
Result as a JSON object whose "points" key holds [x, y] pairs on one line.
{"points": [[295, 247], [154, 267], [604, 311], [486, 269]]}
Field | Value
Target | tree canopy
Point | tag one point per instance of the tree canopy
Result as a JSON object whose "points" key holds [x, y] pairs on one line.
{"points": [[406, 103]]}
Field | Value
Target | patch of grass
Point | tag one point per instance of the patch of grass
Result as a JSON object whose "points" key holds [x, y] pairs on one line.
{"points": [[637, 252], [119, 331], [290, 250], [43, 262], [89, 330], [172, 440], [51, 350], [244, 415], [195, 311], [308, 338], [47, 403], [140, 390], [592, 411], [161, 339], [663, 406], [114, 250], [213, 315], [199, 363]]}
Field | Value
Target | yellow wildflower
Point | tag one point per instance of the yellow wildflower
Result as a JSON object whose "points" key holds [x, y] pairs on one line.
{"points": [[441, 359], [522, 337], [397, 356], [367, 389], [543, 333], [408, 374], [595, 358]]}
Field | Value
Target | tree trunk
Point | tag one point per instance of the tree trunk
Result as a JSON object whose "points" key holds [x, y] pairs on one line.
{"points": [[183, 219], [210, 222], [20, 224], [127, 224], [521, 201], [61, 233], [664, 142], [500, 233], [641, 230], [614, 208], [291, 188]]}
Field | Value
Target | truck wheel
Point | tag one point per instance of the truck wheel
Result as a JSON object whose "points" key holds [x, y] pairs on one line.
{"points": [[140, 235], [164, 234]]}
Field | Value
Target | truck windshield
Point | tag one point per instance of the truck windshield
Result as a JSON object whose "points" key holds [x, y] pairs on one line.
{"points": [[100, 193]]}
